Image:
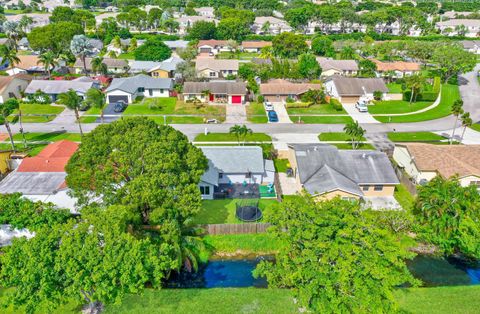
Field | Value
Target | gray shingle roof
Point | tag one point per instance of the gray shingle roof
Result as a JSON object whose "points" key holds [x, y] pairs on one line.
{"points": [[323, 168], [58, 87], [341, 65], [109, 62], [235, 159], [216, 64], [174, 44], [216, 87], [353, 86], [32, 183], [131, 84], [169, 64]]}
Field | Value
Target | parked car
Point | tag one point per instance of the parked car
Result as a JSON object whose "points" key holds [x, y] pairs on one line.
{"points": [[119, 106], [272, 116], [268, 106], [361, 106]]}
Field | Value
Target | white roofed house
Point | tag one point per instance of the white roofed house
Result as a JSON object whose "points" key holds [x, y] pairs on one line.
{"points": [[466, 27], [54, 88], [39, 19], [472, 46], [349, 90], [113, 65], [270, 25], [235, 171], [156, 69], [127, 89]]}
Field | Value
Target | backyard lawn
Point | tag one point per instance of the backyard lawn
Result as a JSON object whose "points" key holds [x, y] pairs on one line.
{"points": [[42, 113], [322, 119], [223, 211], [403, 197], [227, 137], [450, 93], [256, 113], [414, 137], [281, 165], [316, 109], [394, 88], [397, 106], [336, 136], [128, 56], [239, 56]]}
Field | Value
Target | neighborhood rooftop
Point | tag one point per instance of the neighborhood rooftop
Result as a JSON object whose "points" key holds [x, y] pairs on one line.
{"points": [[215, 87], [131, 84], [353, 86]]}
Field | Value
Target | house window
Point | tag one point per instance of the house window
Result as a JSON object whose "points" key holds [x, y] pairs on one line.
{"points": [[378, 188], [248, 175], [205, 190], [212, 74], [366, 187], [220, 175], [141, 89], [155, 74], [161, 90]]}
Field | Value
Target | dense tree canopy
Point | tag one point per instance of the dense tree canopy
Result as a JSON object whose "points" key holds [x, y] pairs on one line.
{"points": [[335, 258], [452, 60], [449, 216], [308, 66], [202, 30], [232, 28], [153, 50], [289, 45], [55, 36]]}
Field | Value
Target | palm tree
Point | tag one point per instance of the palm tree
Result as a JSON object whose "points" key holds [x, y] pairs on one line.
{"points": [[237, 131], [414, 83], [356, 133], [9, 55], [6, 109], [95, 98], [457, 110], [49, 61], [98, 66], [206, 95], [266, 27], [25, 22], [13, 32], [81, 47], [72, 101], [244, 131], [189, 246], [466, 122]]}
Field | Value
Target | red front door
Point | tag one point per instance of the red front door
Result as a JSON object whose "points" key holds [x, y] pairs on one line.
{"points": [[211, 97], [236, 99]]}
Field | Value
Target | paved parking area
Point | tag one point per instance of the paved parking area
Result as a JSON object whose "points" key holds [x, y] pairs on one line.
{"points": [[236, 114], [287, 184], [282, 113], [361, 117]]}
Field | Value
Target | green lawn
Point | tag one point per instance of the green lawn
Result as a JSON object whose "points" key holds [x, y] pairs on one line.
{"points": [[396, 106], [227, 137], [403, 197], [93, 119], [450, 93], [31, 150], [476, 127], [256, 113], [349, 146], [414, 137], [152, 106], [255, 243], [240, 56], [336, 136], [316, 109], [394, 88], [281, 165], [49, 112], [47, 137], [322, 120], [128, 56], [223, 211]]}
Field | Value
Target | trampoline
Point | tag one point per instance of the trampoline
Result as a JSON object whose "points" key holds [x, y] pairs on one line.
{"points": [[248, 210]]}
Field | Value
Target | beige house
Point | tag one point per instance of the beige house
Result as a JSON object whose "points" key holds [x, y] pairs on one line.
{"points": [[396, 69], [423, 162], [279, 90], [332, 67], [349, 90], [13, 86], [326, 172], [215, 68]]}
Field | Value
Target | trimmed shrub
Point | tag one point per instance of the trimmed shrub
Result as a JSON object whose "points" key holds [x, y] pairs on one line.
{"points": [[298, 105], [260, 98], [336, 104], [289, 100]]}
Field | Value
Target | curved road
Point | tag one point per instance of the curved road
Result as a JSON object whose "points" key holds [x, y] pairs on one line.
{"points": [[470, 91]]}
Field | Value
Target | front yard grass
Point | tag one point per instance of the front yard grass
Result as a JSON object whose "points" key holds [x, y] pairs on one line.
{"points": [[450, 93], [223, 211], [365, 146], [414, 137], [42, 113], [256, 113], [227, 137], [397, 106], [394, 88], [91, 119], [476, 127], [239, 56], [322, 119], [336, 136], [316, 109], [47, 137]]}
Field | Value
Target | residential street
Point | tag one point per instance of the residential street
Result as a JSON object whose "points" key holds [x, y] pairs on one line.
{"points": [[470, 91]]}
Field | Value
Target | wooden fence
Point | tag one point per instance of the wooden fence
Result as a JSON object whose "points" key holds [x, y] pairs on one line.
{"points": [[243, 228]]}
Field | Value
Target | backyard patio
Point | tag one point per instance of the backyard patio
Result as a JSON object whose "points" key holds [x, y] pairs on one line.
{"points": [[244, 190]]}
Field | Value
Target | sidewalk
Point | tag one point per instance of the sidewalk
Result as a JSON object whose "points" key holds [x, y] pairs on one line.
{"points": [[471, 137]]}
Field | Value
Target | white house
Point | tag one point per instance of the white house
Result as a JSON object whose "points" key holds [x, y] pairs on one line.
{"points": [[215, 68], [185, 22], [53, 88], [206, 11], [270, 25], [127, 89], [230, 92], [230, 166], [13, 86], [350, 89], [468, 27]]}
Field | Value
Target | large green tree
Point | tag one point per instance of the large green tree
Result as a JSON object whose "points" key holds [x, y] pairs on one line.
{"points": [[308, 66], [135, 162], [335, 257], [202, 30], [449, 216], [289, 45], [55, 37], [232, 28], [153, 50], [452, 60]]}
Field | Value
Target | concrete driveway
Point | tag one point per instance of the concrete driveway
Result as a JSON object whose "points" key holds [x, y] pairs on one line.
{"points": [[282, 113], [470, 91], [361, 117]]}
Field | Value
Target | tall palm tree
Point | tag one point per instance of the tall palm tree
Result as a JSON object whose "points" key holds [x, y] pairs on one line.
{"points": [[95, 98], [98, 66], [25, 22], [9, 55], [6, 109], [466, 122], [244, 131], [457, 111], [13, 32], [189, 246], [237, 131], [49, 61], [81, 47], [355, 131], [72, 101]]}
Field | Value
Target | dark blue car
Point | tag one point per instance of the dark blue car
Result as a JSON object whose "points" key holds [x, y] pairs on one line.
{"points": [[272, 116]]}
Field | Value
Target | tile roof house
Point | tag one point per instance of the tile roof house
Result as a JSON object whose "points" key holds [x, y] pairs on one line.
{"points": [[422, 162], [470, 27], [255, 45], [234, 167], [127, 89], [326, 172], [279, 90], [55, 87], [270, 25], [351, 89], [42, 178], [332, 67], [13, 86], [113, 65], [29, 64], [39, 19], [212, 46], [230, 92], [215, 68], [398, 68]]}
